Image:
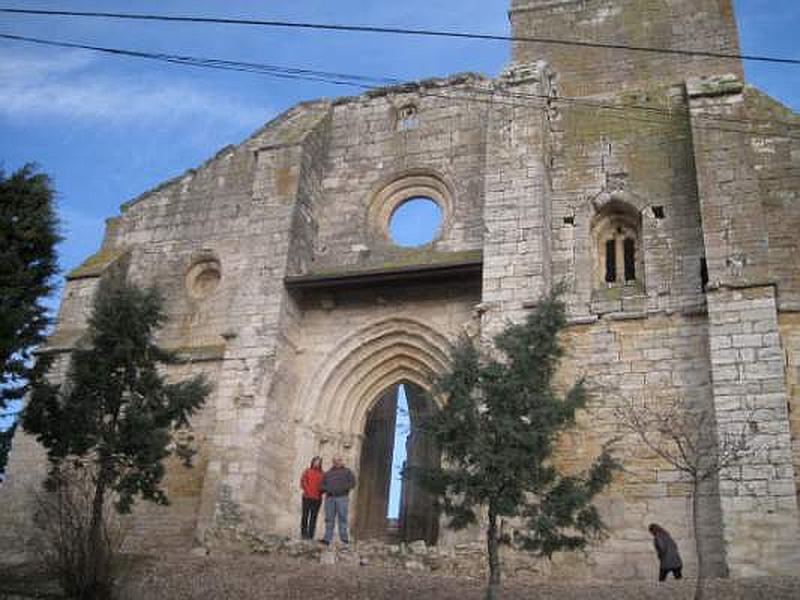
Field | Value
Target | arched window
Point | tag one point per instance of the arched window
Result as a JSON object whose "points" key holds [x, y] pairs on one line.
{"points": [[407, 117], [616, 232]]}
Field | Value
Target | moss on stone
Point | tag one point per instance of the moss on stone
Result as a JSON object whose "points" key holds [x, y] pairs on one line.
{"points": [[401, 259], [768, 107], [199, 352], [97, 263], [63, 339]]}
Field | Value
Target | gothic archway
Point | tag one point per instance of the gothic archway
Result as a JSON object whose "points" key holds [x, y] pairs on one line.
{"points": [[333, 412], [417, 517]]}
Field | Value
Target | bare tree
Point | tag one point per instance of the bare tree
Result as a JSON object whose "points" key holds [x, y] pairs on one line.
{"points": [[687, 438], [63, 517]]}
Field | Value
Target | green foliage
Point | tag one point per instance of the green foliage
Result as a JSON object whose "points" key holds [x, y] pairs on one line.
{"points": [[116, 407], [497, 432], [28, 236], [5, 446]]}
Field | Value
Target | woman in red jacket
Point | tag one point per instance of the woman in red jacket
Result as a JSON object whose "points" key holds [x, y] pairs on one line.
{"points": [[310, 483]]}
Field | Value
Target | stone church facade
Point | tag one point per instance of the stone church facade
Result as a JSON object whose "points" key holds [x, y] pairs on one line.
{"points": [[660, 188]]}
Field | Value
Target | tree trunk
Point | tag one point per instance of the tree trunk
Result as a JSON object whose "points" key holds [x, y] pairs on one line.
{"points": [[698, 591], [98, 555], [494, 557]]}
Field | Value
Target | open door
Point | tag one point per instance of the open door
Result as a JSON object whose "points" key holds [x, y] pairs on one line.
{"points": [[418, 519]]}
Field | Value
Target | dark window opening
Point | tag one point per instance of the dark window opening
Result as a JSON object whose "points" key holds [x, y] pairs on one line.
{"points": [[569, 220], [658, 212], [407, 118], [703, 274], [611, 262], [629, 251]]}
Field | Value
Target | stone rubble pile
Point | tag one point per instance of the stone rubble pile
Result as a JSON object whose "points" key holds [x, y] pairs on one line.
{"points": [[462, 560]]}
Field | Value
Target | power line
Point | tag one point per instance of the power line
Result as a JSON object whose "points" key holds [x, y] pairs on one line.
{"points": [[368, 83], [214, 63], [400, 31]]}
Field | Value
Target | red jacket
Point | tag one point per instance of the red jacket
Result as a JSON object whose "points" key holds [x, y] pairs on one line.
{"points": [[311, 481]]}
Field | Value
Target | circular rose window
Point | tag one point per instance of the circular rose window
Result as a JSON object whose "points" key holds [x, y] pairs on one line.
{"points": [[203, 278], [415, 222]]}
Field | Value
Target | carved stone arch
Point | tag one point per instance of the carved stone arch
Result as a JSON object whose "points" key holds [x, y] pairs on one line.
{"points": [[392, 191], [350, 408], [338, 397], [615, 198], [619, 197], [617, 240]]}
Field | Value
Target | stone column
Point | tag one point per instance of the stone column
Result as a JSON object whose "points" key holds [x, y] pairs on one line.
{"points": [[759, 508], [757, 495], [516, 246]]}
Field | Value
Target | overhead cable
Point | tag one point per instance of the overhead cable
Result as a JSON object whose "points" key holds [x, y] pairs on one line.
{"points": [[493, 96], [398, 31]]}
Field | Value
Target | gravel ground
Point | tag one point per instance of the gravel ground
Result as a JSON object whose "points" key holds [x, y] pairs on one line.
{"points": [[266, 577]]}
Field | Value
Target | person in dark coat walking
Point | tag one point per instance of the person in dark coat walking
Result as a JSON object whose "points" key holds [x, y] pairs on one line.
{"points": [[669, 559]]}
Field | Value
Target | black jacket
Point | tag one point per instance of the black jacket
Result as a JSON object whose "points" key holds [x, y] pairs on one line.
{"points": [[338, 481]]}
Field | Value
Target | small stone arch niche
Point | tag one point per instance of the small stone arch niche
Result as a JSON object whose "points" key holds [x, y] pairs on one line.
{"points": [[407, 117], [203, 277], [618, 258], [403, 191]]}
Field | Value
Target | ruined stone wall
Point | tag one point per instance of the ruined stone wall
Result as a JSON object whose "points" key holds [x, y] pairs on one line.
{"points": [[201, 239], [372, 149], [246, 404], [633, 150], [789, 324], [517, 206], [342, 226], [272, 438], [264, 255], [355, 344], [745, 175], [700, 25], [653, 359]]}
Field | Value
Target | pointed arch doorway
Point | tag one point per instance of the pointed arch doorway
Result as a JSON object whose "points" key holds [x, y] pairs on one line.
{"points": [[413, 514]]}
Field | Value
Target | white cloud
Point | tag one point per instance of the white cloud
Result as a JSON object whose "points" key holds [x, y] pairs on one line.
{"points": [[70, 86]]}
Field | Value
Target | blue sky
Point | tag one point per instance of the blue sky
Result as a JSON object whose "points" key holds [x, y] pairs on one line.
{"points": [[106, 129], [109, 128]]}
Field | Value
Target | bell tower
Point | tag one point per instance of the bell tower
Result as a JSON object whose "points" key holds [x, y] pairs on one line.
{"points": [[697, 25]]}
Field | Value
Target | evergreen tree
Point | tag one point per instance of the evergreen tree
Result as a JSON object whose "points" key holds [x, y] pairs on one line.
{"points": [[496, 432], [28, 236], [116, 412], [5, 447]]}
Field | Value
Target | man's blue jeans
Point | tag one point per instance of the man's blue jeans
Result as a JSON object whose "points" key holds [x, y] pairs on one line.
{"points": [[336, 508]]}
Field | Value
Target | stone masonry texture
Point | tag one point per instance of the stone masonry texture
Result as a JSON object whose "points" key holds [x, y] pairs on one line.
{"points": [[661, 191]]}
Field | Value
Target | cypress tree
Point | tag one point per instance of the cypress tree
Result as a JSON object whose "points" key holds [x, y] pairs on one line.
{"points": [[497, 430], [116, 412], [28, 236]]}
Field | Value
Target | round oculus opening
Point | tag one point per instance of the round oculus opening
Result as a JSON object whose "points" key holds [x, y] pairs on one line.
{"points": [[204, 278], [415, 222]]}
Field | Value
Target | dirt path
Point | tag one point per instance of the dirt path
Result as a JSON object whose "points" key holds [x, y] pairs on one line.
{"points": [[268, 577]]}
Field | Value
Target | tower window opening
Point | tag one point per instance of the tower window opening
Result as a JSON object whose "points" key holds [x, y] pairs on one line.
{"points": [[629, 251], [407, 118], [611, 261], [616, 233]]}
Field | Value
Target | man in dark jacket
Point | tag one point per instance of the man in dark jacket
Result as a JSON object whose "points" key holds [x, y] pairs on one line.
{"points": [[669, 559], [336, 484]]}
